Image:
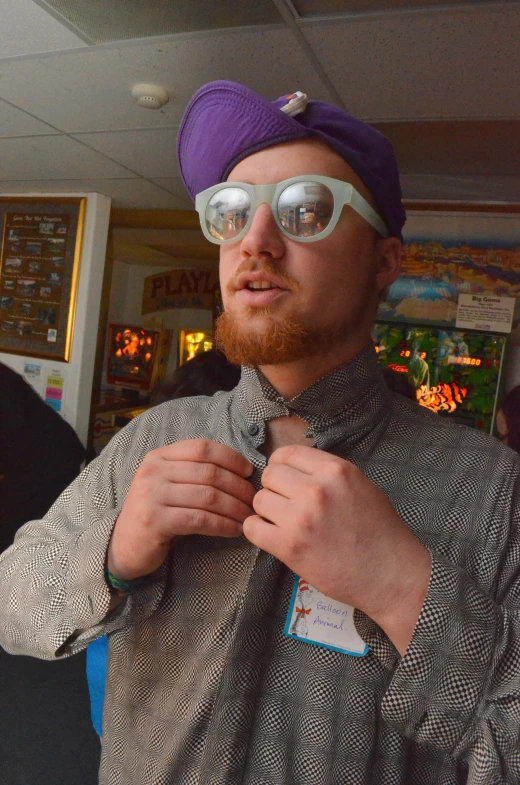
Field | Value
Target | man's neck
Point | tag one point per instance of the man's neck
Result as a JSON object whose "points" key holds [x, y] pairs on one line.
{"points": [[290, 379]]}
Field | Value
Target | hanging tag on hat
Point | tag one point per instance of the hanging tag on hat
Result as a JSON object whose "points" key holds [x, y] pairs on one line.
{"points": [[296, 103]]}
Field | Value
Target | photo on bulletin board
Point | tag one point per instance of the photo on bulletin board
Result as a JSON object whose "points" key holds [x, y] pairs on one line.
{"points": [[39, 270], [193, 342]]}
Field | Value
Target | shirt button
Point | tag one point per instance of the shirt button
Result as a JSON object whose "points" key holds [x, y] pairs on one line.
{"points": [[253, 429]]}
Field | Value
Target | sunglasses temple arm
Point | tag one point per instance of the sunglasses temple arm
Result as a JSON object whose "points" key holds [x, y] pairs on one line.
{"points": [[362, 207]]}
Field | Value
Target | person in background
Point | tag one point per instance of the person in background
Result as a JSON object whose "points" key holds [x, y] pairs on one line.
{"points": [[43, 706], [508, 419], [187, 538], [40, 454], [206, 374]]}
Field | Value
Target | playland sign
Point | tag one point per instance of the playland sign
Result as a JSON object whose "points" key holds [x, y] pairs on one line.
{"points": [[180, 289]]}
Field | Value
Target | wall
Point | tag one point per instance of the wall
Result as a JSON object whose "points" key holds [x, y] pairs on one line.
{"points": [[78, 373]]}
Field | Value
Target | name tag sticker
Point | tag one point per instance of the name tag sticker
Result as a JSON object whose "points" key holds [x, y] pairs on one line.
{"points": [[317, 619]]}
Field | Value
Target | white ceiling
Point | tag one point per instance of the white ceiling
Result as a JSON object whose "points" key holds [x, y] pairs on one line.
{"points": [[441, 79]]}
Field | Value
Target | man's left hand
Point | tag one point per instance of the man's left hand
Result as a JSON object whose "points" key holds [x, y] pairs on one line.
{"points": [[323, 518]]}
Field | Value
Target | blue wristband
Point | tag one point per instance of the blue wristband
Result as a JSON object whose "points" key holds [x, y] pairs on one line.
{"points": [[126, 586]]}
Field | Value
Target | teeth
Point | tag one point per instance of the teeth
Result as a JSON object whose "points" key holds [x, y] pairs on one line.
{"points": [[260, 285]]}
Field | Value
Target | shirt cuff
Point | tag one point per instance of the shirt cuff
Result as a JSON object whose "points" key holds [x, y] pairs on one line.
{"points": [[89, 597], [440, 682]]}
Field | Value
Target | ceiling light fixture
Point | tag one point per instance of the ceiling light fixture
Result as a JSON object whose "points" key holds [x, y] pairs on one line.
{"points": [[150, 96]]}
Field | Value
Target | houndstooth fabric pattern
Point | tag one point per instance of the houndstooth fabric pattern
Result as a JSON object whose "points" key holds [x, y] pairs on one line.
{"points": [[204, 688]]}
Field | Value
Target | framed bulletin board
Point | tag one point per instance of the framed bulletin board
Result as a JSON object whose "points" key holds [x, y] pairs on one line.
{"points": [[40, 257]]}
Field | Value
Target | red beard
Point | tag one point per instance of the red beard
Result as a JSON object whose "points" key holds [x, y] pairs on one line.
{"points": [[280, 341]]}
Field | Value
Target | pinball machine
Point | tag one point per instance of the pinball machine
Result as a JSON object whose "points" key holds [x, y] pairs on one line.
{"points": [[137, 358], [455, 373]]}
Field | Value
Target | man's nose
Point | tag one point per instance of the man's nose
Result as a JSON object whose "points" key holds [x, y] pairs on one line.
{"points": [[264, 236]]}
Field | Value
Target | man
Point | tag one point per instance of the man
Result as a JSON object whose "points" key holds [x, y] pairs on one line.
{"points": [[184, 540]]}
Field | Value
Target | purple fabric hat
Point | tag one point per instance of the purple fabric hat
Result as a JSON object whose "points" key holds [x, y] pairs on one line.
{"points": [[225, 122]]}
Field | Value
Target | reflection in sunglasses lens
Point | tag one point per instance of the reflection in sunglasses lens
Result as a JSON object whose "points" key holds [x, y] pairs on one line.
{"points": [[227, 213], [305, 208]]}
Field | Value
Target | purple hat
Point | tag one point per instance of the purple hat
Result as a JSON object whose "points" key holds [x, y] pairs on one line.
{"points": [[225, 122]]}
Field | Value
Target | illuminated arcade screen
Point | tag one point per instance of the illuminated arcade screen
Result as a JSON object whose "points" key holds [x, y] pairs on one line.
{"points": [[131, 356], [454, 373]]}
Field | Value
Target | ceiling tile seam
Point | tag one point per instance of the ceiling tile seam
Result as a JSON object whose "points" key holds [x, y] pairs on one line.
{"points": [[187, 201], [128, 169], [151, 40], [372, 120], [104, 155], [79, 141], [69, 179], [52, 12], [382, 13], [32, 116], [26, 136], [72, 138], [125, 130], [308, 51]]}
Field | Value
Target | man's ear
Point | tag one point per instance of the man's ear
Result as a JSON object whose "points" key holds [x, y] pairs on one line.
{"points": [[389, 256]]}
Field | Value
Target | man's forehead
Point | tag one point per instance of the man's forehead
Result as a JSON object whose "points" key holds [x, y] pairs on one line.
{"points": [[294, 159]]}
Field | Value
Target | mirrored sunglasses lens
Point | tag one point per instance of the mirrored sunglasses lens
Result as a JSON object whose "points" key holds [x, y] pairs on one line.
{"points": [[305, 209], [227, 213]]}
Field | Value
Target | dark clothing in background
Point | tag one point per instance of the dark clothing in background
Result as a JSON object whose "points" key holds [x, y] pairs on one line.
{"points": [[46, 737], [40, 454]]}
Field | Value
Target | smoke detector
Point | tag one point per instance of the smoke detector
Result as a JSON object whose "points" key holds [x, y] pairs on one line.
{"points": [[150, 96]]}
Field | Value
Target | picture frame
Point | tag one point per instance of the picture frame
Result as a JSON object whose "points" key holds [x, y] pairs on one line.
{"points": [[40, 257], [194, 341]]}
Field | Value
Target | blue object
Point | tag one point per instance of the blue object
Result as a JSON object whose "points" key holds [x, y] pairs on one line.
{"points": [[97, 659]]}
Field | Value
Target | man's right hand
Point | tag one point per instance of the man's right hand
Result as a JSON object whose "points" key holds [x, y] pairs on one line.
{"points": [[195, 486]]}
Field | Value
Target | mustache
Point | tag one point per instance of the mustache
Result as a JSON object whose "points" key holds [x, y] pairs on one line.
{"points": [[263, 266]]}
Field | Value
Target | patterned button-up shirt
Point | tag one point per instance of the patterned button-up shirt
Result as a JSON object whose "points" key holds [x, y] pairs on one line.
{"points": [[203, 686]]}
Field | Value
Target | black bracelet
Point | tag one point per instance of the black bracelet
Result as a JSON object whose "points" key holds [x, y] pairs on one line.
{"points": [[126, 586]]}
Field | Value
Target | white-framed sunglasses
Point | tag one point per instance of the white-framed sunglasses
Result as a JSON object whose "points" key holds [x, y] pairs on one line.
{"points": [[306, 208]]}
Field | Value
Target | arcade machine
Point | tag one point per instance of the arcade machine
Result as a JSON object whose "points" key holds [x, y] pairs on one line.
{"points": [[136, 363], [456, 374], [456, 371]]}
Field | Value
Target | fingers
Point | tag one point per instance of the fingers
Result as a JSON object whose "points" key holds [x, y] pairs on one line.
{"points": [[207, 451], [263, 534], [272, 506], [190, 473], [284, 480], [204, 497], [184, 521], [305, 459]]}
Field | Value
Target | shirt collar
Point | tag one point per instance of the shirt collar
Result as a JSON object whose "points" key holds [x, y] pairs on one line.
{"points": [[350, 401]]}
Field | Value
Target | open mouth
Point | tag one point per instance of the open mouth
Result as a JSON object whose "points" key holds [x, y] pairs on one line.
{"points": [[254, 286]]}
